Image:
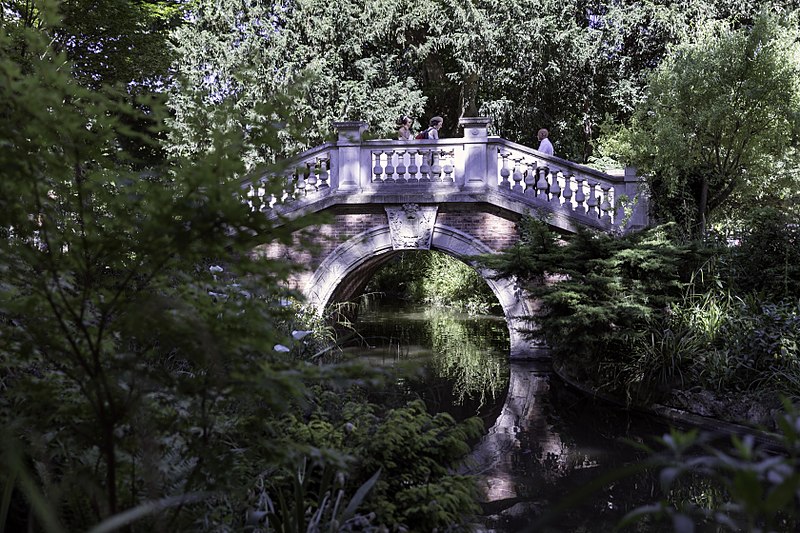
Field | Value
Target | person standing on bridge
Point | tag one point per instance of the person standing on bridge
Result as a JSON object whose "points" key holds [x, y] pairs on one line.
{"points": [[404, 128], [432, 131], [435, 126], [545, 146]]}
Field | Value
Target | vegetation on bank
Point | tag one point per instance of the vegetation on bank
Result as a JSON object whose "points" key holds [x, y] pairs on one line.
{"points": [[709, 299], [647, 317], [701, 312]]}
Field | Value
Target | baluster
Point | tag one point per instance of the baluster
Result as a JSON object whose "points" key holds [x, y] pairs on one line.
{"points": [[251, 197], [401, 167], [605, 206], [555, 191], [323, 174], [300, 186], [377, 168], [580, 196], [504, 172], [267, 200], [447, 168], [530, 178], [567, 194], [517, 176], [288, 187], [260, 192], [312, 176], [542, 185], [436, 167], [412, 166], [389, 170], [267, 197], [591, 203], [425, 168]]}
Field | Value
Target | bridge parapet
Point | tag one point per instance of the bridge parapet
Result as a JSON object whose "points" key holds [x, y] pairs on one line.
{"points": [[476, 164]]}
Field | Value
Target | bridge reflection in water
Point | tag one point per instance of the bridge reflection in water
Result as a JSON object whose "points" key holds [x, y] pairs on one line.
{"points": [[543, 441]]}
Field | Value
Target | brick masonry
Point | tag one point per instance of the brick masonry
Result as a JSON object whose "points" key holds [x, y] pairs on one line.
{"points": [[314, 243]]}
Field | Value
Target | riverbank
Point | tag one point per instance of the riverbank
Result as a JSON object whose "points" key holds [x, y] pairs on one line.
{"points": [[681, 416]]}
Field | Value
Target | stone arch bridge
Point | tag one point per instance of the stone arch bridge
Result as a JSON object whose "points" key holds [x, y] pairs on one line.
{"points": [[460, 196]]}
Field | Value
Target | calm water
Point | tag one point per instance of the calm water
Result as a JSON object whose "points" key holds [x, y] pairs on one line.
{"points": [[543, 441]]}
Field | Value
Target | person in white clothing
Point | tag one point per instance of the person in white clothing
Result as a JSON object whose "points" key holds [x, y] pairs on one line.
{"points": [[435, 126], [545, 146]]}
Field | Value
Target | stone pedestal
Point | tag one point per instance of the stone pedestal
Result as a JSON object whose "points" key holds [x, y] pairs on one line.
{"points": [[475, 127], [348, 139], [477, 158]]}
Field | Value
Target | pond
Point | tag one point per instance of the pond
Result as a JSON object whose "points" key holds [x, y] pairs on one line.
{"points": [[543, 441]]}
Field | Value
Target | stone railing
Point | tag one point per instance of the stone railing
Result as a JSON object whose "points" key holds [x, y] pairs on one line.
{"points": [[475, 163], [308, 174], [567, 187]]}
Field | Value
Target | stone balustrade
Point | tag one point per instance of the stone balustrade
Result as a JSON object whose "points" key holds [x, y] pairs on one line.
{"points": [[307, 175], [474, 164]]}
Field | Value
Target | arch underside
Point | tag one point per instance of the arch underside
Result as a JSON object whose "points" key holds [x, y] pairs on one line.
{"points": [[348, 268]]}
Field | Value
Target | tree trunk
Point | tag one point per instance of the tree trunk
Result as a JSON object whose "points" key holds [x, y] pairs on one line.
{"points": [[469, 96], [702, 207]]}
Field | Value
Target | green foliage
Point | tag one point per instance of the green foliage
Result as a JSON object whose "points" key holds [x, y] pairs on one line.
{"points": [[133, 366], [731, 344], [598, 291], [109, 42], [448, 282], [633, 316], [767, 258], [718, 121], [304, 509], [436, 279], [659, 363], [753, 488], [401, 278], [763, 339], [338, 54], [414, 451], [567, 68]]}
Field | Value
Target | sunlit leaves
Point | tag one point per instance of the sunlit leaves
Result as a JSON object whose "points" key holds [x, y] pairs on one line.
{"points": [[720, 114]]}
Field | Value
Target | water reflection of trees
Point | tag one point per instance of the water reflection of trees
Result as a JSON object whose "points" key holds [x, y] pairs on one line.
{"points": [[466, 352]]}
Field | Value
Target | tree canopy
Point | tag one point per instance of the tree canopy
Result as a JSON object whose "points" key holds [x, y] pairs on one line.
{"points": [[720, 120]]}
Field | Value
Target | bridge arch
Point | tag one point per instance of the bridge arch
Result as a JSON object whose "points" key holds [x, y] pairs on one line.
{"points": [[347, 269]]}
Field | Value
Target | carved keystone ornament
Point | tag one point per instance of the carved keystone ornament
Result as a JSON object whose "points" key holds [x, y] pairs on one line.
{"points": [[411, 226]]}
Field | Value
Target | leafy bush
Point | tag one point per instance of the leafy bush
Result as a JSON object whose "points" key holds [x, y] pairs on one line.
{"points": [[141, 384], [763, 339], [660, 363], [642, 316], [741, 487], [600, 293], [766, 261], [415, 452]]}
